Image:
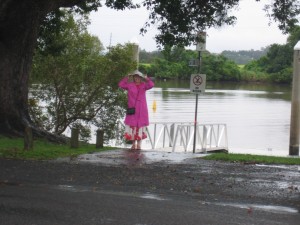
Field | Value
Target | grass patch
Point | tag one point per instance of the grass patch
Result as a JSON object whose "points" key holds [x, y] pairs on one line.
{"points": [[247, 158], [146, 65], [42, 149]]}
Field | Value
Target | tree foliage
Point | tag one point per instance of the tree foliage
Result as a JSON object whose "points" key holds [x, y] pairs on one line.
{"points": [[278, 60], [148, 57], [179, 21], [175, 64], [220, 68], [76, 85], [171, 63]]}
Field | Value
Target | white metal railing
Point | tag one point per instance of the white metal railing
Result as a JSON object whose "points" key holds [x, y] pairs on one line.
{"points": [[209, 137], [174, 135]]}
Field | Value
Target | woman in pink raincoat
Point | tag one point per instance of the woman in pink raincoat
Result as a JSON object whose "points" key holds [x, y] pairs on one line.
{"points": [[135, 124]]}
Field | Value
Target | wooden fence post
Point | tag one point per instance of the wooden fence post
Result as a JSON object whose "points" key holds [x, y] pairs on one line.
{"points": [[74, 138], [99, 139], [28, 139]]}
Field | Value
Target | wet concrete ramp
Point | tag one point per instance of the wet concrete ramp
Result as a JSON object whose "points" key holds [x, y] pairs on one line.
{"points": [[128, 156]]}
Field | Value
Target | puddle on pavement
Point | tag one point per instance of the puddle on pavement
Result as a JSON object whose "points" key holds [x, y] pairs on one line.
{"points": [[152, 196], [175, 157], [268, 208], [85, 189], [126, 156], [290, 186], [69, 188], [296, 168]]}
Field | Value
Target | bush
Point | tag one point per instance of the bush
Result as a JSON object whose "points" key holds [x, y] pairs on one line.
{"points": [[284, 76]]}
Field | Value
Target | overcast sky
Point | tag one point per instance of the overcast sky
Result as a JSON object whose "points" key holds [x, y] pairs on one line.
{"points": [[250, 32]]}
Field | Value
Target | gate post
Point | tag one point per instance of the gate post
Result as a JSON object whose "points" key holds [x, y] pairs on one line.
{"points": [[295, 104], [28, 139], [74, 138], [99, 139]]}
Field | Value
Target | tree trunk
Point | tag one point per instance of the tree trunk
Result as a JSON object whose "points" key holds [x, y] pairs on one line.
{"points": [[19, 24], [18, 37]]}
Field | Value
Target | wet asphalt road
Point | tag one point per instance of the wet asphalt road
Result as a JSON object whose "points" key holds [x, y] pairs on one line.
{"points": [[56, 205], [133, 188]]}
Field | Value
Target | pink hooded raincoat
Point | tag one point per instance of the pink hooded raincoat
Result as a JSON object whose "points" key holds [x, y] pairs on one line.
{"points": [[137, 98]]}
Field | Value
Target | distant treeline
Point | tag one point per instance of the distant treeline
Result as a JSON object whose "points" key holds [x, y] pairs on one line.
{"points": [[270, 64], [241, 57]]}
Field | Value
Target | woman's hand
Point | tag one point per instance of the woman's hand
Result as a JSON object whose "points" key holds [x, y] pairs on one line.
{"points": [[130, 78]]}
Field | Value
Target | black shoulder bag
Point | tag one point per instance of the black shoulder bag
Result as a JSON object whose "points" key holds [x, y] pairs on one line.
{"points": [[131, 111]]}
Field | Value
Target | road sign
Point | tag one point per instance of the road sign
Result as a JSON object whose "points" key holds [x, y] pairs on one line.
{"points": [[198, 83]]}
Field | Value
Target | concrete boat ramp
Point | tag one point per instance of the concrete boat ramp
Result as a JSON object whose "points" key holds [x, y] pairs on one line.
{"points": [[128, 156]]}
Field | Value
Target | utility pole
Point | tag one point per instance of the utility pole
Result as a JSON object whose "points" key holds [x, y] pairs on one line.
{"points": [[295, 104]]}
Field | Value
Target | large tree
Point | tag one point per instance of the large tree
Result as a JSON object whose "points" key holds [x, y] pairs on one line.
{"points": [[178, 21]]}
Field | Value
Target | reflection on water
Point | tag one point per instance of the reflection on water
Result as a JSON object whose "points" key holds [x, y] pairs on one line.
{"points": [[257, 116]]}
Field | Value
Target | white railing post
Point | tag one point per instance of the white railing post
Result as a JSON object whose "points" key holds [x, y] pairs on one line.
{"points": [[172, 130]]}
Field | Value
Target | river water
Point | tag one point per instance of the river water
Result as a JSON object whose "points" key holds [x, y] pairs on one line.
{"points": [[257, 116]]}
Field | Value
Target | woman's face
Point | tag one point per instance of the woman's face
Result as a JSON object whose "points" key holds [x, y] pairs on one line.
{"points": [[137, 79]]}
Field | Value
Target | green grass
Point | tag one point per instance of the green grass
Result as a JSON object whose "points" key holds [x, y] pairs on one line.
{"points": [[146, 65], [246, 158], [42, 150]]}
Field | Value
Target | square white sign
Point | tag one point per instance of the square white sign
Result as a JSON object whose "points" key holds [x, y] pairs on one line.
{"points": [[198, 83]]}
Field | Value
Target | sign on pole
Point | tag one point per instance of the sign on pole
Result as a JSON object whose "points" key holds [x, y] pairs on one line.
{"points": [[197, 86], [201, 44], [198, 83]]}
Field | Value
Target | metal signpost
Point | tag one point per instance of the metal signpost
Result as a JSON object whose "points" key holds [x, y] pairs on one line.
{"points": [[198, 81], [197, 86]]}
